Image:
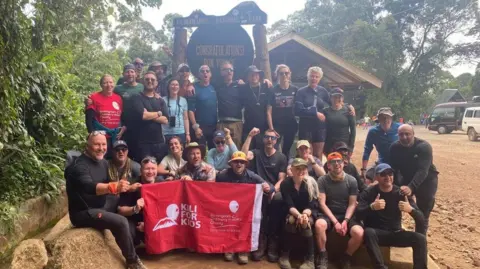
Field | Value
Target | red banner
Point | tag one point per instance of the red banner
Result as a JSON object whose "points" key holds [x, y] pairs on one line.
{"points": [[204, 216]]}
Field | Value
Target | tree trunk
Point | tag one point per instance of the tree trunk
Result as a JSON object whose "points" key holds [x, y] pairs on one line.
{"points": [[262, 60], [179, 48]]}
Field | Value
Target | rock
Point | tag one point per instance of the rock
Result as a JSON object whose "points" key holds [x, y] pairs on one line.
{"points": [[84, 248], [30, 254], [471, 229], [63, 225], [433, 257], [476, 262]]}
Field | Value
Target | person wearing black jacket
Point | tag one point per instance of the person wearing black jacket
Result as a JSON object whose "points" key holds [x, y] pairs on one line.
{"points": [[238, 173], [412, 160], [380, 207], [87, 186]]}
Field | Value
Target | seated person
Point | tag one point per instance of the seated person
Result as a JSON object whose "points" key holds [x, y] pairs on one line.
{"points": [[300, 193], [315, 168], [195, 168], [170, 164], [338, 199], [348, 167], [380, 207], [224, 148], [132, 203], [238, 173]]}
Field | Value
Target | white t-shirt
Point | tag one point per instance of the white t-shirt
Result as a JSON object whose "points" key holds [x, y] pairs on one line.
{"points": [[171, 164]]}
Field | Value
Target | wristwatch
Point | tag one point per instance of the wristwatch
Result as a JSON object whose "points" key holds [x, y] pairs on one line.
{"points": [[159, 113], [136, 210]]}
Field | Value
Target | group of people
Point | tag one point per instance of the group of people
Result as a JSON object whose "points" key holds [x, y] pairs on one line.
{"points": [[155, 128]]}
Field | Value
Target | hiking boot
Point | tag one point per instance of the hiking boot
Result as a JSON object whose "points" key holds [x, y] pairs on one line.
{"points": [[272, 250], [243, 258], [284, 261], [228, 256], [345, 262], [257, 255], [321, 260], [136, 265], [308, 263]]}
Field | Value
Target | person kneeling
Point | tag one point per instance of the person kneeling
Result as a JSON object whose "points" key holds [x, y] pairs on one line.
{"points": [[131, 204], [238, 173], [195, 168], [381, 207], [338, 199], [300, 193]]}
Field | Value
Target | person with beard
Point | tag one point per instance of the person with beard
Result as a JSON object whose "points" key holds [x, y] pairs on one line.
{"points": [[224, 148], [338, 199], [202, 108], [195, 168], [130, 86], [300, 193], [255, 98], [280, 108], [87, 186], [104, 113], [412, 160], [148, 115], [270, 165], [171, 163], [380, 208], [314, 164], [178, 123], [161, 71], [131, 204], [238, 173], [138, 67]]}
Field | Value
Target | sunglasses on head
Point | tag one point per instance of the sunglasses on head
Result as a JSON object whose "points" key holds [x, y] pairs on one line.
{"points": [[286, 73], [228, 70], [269, 137], [220, 142], [335, 161], [205, 71], [149, 160], [95, 133]]}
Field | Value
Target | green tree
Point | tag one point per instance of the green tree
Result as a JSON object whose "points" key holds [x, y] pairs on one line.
{"points": [[476, 82]]}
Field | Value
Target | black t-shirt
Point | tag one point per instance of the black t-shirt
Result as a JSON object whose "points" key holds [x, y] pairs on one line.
{"points": [[282, 102], [130, 199], [147, 131], [298, 199], [268, 168], [229, 106], [255, 101], [82, 178]]}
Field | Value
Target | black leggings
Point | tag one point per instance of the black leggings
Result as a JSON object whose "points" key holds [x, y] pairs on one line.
{"points": [[287, 132], [100, 219]]}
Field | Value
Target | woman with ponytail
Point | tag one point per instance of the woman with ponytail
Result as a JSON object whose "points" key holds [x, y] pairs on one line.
{"points": [[300, 194]]}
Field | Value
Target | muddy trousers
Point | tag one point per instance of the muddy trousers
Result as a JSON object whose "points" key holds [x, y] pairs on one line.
{"points": [[374, 238], [100, 219]]}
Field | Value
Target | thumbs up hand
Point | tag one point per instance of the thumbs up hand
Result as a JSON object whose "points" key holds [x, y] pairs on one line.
{"points": [[405, 205], [378, 204]]}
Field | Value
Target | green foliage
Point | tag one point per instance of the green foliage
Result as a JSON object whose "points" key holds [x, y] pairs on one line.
{"points": [[475, 84]]}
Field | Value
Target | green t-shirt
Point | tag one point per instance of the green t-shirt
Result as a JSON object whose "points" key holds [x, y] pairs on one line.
{"points": [[127, 91]]}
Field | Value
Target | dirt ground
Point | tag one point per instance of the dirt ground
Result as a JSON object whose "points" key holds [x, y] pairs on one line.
{"points": [[454, 235]]}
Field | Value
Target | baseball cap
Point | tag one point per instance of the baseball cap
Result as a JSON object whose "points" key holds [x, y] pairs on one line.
{"points": [[128, 67], [382, 168], [120, 143], [336, 91], [238, 156], [219, 134], [334, 156], [299, 162], [385, 111], [183, 67], [303, 143]]}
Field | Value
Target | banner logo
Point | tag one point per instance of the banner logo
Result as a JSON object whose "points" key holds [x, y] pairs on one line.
{"points": [[170, 220], [233, 206]]}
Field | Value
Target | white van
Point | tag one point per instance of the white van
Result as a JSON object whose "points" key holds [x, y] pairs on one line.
{"points": [[471, 123]]}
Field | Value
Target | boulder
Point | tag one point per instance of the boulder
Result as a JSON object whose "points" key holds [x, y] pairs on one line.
{"points": [[63, 225], [84, 248], [30, 254]]}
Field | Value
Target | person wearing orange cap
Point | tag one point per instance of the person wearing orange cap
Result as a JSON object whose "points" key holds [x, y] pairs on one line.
{"points": [[338, 199], [238, 173]]}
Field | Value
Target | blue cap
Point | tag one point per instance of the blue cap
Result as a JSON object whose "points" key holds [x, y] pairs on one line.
{"points": [[219, 134], [382, 167]]}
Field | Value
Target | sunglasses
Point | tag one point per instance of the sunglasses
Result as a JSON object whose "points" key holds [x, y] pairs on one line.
{"points": [[384, 174], [206, 71], [220, 142], [228, 70], [150, 79], [138, 64], [149, 160], [121, 149], [267, 137], [183, 70], [284, 73], [238, 162], [335, 161]]}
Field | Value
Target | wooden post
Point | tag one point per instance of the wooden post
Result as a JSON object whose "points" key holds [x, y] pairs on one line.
{"points": [[179, 48], [262, 60]]}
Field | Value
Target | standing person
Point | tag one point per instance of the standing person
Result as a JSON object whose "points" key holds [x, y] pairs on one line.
{"points": [[138, 68], [229, 108], [280, 115], [149, 113], [224, 148], [131, 204], [380, 208], [162, 78], [130, 85], [270, 165], [341, 125], [170, 164], [195, 168], [310, 102], [338, 199], [104, 111], [202, 108], [255, 98], [238, 173], [87, 186], [382, 136], [300, 193], [314, 167], [183, 77], [366, 121], [178, 123], [412, 160]]}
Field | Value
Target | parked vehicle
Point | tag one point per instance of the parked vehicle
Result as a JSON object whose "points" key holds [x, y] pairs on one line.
{"points": [[447, 117], [471, 123]]}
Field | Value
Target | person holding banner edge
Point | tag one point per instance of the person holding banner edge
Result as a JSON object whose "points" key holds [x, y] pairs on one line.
{"points": [[195, 168]]}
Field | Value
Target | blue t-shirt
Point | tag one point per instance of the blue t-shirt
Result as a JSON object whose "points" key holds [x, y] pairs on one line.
{"points": [[219, 160], [175, 109], [204, 104]]}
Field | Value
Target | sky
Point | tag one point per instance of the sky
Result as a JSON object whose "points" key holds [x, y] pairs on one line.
{"points": [[275, 9]]}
